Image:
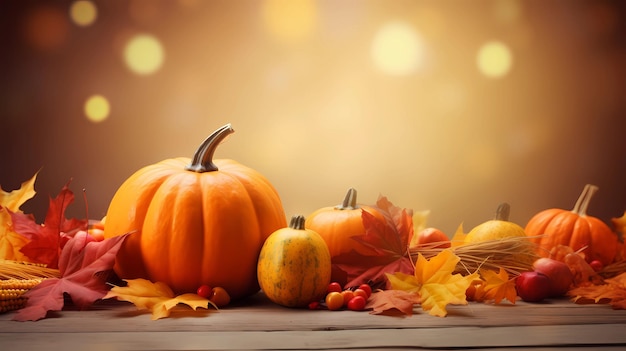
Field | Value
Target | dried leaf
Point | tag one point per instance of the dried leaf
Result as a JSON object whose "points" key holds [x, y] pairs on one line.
{"points": [[435, 282], [497, 286], [81, 261], [46, 241], [389, 241], [613, 292], [392, 302], [458, 239], [419, 223], [156, 297], [12, 242]]}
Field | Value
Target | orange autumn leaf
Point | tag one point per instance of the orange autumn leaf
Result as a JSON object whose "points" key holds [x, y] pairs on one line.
{"points": [[10, 241], [435, 282], [497, 286], [389, 302], [156, 297], [613, 292]]}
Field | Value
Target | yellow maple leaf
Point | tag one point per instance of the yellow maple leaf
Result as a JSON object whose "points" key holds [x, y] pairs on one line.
{"points": [[498, 286], [435, 282], [10, 241], [156, 297], [458, 239], [419, 223]]}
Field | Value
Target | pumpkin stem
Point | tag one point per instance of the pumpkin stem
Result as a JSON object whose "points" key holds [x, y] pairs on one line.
{"points": [[503, 211], [580, 208], [297, 222], [349, 202], [203, 158]]}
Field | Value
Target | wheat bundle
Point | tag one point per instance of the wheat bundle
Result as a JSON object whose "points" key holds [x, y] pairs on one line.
{"points": [[25, 270], [514, 254]]}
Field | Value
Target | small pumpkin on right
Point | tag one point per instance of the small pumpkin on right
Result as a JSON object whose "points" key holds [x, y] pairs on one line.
{"points": [[553, 227]]}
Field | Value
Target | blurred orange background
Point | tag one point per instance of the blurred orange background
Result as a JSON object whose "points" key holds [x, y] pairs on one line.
{"points": [[446, 106]]}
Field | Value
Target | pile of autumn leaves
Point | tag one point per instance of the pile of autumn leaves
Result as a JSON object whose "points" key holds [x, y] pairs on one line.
{"points": [[83, 262]]}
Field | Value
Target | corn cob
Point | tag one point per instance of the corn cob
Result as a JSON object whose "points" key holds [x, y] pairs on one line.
{"points": [[12, 291], [18, 284], [12, 304]]}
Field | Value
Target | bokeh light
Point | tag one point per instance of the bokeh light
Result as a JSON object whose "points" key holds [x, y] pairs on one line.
{"points": [[494, 59], [289, 20], [83, 13], [397, 49], [97, 108], [144, 54], [449, 106]]}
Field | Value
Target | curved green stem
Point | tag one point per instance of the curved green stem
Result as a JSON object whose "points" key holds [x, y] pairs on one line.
{"points": [[203, 158], [349, 201]]}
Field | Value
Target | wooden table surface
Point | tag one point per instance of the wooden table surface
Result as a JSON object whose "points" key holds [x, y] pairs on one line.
{"points": [[259, 324]]}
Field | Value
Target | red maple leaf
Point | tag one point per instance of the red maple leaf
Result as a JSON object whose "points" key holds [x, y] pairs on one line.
{"points": [[81, 260], [389, 241], [47, 240]]}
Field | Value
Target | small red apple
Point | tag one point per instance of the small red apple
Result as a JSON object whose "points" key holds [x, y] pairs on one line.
{"points": [[532, 286], [432, 236], [561, 277]]}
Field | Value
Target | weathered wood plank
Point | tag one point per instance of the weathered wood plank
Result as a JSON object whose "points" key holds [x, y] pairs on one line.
{"points": [[457, 337], [259, 324], [260, 315]]}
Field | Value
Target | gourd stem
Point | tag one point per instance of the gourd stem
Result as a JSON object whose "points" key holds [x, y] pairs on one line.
{"points": [[203, 158], [580, 208], [503, 211], [349, 202], [297, 222]]}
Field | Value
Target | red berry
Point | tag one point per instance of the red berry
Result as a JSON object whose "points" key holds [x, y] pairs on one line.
{"points": [[314, 305], [360, 292], [204, 291], [596, 265], [367, 288], [357, 303], [334, 287], [334, 301], [347, 296]]}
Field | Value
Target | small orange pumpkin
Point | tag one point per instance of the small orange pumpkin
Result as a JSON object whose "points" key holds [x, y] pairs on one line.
{"points": [[338, 224], [553, 227], [195, 222], [294, 266]]}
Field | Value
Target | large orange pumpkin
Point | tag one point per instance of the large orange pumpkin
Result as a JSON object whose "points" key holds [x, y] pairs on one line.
{"points": [[552, 227], [338, 224], [195, 222]]}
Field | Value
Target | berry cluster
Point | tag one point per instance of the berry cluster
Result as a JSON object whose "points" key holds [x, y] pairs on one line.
{"points": [[338, 298], [218, 295]]}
